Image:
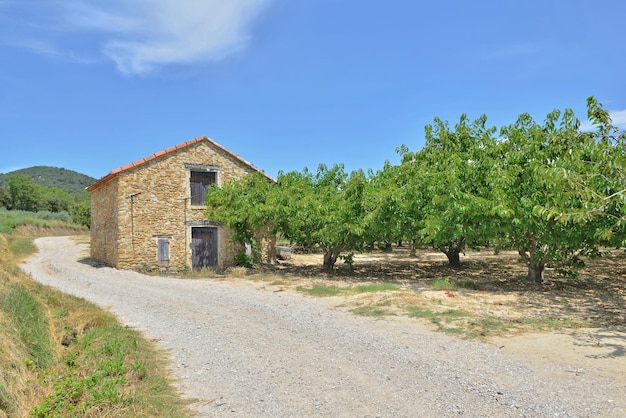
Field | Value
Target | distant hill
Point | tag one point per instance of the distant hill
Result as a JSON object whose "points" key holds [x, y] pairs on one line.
{"points": [[68, 180]]}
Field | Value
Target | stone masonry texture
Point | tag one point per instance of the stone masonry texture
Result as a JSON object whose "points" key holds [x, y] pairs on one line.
{"points": [[151, 200]]}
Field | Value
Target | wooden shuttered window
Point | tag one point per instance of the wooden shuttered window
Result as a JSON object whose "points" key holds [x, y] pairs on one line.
{"points": [[163, 250], [200, 182]]}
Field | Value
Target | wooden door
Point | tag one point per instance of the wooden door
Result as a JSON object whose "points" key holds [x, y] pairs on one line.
{"points": [[203, 247]]}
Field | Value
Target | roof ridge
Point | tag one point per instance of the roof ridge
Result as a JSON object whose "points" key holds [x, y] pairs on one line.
{"points": [[113, 173]]}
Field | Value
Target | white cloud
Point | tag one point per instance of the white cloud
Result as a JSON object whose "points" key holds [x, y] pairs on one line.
{"points": [[146, 34], [618, 118], [37, 45], [200, 31]]}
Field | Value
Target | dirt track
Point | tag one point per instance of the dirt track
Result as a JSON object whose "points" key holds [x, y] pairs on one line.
{"points": [[247, 352]]}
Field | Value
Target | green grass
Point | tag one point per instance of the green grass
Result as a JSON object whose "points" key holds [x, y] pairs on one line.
{"points": [[439, 318], [326, 291], [419, 312], [369, 311], [99, 368], [5, 399], [448, 284], [10, 219], [548, 324], [26, 314], [61, 356], [442, 284], [21, 246]]}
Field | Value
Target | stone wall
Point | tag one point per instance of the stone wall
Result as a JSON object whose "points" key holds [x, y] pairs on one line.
{"points": [[104, 229], [153, 201], [267, 244]]}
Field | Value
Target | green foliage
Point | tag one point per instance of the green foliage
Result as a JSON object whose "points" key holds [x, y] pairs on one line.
{"points": [[449, 184], [69, 181], [244, 260], [80, 209], [551, 192], [548, 190], [243, 206], [547, 172], [323, 209], [393, 203], [20, 192]]}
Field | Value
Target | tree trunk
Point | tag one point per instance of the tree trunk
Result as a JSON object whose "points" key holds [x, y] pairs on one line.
{"points": [[454, 257], [535, 273], [412, 250], [330, 258]]}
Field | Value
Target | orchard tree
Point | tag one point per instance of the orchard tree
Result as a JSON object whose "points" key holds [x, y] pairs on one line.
{"points": [[244, 206], [323, 209], [384, 219], [597, 172], [448, 186], [535, 162]]}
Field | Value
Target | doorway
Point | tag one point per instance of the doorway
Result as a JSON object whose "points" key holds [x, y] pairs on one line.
{"points": [[203, 247]]}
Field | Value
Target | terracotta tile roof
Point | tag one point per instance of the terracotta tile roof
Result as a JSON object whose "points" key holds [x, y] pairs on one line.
{"points": [[119, 170]]}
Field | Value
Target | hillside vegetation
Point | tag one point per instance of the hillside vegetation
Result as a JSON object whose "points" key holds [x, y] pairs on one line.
{"points": [[62, 356], [24, 192], [71, 181]]}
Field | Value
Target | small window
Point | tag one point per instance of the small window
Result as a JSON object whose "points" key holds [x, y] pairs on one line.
{"points": [[163, 250], [200, 182]]}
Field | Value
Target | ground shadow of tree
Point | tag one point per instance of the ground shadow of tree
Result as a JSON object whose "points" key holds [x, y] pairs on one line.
{"points": [[597, 295]]}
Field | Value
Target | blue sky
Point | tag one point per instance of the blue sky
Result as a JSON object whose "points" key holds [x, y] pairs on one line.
{"points": [[92, 85]]}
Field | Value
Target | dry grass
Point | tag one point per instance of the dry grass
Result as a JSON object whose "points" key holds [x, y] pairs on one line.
{"points": [[488, 294]]}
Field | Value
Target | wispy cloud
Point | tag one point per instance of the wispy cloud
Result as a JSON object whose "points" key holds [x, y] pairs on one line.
{"points": [[38, 46], [143, 35], [618, 118]]}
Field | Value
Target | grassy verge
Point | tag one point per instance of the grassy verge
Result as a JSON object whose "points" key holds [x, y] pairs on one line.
{"points": [[325, 290], [61, 356], [44, 220]]}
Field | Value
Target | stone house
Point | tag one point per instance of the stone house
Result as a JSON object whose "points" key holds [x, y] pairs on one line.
{"points": [[152, 214]]}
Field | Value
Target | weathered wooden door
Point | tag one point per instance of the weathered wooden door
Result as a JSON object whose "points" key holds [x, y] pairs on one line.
{"points": [[203, 247]]}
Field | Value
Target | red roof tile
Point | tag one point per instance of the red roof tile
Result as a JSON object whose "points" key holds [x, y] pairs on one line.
{"points": [[119, 170]]}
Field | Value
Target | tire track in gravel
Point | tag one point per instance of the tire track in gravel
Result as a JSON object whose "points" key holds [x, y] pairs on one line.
{"points": [[247, 352]]}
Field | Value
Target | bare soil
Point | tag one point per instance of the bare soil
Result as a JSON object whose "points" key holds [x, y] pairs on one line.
{"points": [[485, 284]]}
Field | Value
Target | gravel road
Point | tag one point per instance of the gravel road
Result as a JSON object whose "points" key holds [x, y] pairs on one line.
{"points": [[245, 352]]}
